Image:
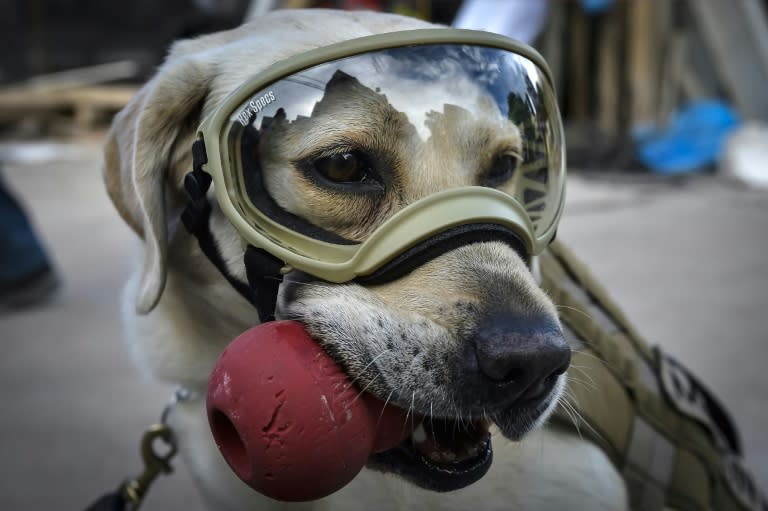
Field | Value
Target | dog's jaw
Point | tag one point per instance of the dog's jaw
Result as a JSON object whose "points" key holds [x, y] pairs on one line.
{"points": [[407, 343]]}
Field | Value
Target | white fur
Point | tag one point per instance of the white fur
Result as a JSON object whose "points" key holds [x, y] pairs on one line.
{"points": [[550, 470], [196, 312]]}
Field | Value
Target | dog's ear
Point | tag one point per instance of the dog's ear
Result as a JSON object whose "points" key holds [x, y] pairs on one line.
{"points": [[142, 154]]}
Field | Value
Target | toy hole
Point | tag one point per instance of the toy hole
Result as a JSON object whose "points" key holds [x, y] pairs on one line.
{"points": [[231, 444]]}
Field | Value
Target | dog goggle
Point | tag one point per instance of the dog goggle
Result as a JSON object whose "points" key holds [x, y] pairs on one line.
{"points": [[339, 161]]}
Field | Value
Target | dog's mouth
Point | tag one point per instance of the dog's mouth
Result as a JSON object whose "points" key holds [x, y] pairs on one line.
{"points": [[440, 454]]}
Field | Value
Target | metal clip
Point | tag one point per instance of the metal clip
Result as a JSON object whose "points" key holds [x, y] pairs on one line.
{"points": [[134, 490]]}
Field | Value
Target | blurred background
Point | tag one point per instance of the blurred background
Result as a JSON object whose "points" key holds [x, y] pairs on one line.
{"points": [[666, 116]]}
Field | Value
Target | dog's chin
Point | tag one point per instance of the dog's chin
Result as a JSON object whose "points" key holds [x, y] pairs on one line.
{"points": [[520, 419], [446, 454]]}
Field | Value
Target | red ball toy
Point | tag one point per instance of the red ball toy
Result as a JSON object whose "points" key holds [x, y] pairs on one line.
{"points": [[287, 419]]}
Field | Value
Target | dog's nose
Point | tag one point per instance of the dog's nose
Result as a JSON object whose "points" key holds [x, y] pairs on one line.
{"points": [[523, 354]]}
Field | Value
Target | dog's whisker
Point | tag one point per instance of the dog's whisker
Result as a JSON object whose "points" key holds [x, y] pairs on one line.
{"points": [[408, 412], [586, 353], [574, 309], [362, 371], [584, 373], [572, 414], [583, 370], [578, 366], [590, 385], [455, 407], [364, 389], [576, 418], [573, 403], [583, 383], [386, 402]]}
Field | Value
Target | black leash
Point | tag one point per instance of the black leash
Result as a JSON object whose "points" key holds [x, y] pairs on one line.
{"points": [[158, 448], [130, 494]]}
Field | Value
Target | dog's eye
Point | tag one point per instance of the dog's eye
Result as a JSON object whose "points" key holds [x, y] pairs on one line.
{"points": [[501, 170], [344, 168]]}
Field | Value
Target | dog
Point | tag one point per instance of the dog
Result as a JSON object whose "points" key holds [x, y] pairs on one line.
{"points": [[417, 327]]}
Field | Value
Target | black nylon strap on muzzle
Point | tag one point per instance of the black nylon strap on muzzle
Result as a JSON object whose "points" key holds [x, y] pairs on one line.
{"points": [[262, 268]]}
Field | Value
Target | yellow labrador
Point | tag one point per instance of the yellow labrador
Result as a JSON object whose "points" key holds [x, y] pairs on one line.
{"points": [[179, 312]]}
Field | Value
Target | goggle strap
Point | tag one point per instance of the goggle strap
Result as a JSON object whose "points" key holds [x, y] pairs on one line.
{"points": [[196, 219], [264, 277]]}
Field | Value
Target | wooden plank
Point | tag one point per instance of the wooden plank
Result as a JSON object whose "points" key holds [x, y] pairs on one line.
{"points": [[643, 60], [21, 103], [735, 34], [552, 46], [672, 78], [85, 76], [579, 75], [609, 75], [699, 77]]}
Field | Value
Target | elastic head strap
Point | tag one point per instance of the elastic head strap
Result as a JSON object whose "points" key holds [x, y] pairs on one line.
{"points": [[262, 269]]}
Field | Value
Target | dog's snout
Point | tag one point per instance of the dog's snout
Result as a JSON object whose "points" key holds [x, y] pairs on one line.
{"points": [[523, 354]]}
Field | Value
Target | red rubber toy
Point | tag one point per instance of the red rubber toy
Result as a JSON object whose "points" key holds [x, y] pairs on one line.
{"points": [[287, 419]]}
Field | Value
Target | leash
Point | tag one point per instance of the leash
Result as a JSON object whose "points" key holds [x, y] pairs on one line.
{"points": [[157, 448]]}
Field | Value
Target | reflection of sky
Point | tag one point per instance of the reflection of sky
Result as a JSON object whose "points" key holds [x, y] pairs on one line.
{"points": [[416, 80]]}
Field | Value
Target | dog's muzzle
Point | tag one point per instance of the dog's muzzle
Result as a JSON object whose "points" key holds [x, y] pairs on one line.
{"points": [[469, 119]]}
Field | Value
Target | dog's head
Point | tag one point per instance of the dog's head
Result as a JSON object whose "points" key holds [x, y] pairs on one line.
{"points": [[464, 339]]}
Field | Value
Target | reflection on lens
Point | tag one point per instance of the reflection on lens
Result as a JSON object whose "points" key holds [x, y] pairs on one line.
{"points": [[333, 151]]}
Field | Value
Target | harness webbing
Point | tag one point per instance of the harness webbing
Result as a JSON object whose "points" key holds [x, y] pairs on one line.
{"points": [[667, 435], [262, 268]]}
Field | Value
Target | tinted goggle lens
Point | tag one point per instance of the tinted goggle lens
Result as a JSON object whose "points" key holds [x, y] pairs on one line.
{"points": [[335, 149]]}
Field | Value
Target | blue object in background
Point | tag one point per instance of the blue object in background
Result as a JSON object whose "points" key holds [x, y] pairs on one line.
{"points": [[26, 275], [692, 141], [596, 6]]}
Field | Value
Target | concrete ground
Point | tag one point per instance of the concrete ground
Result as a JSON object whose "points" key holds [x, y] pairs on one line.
{"points": [[687, 260]]}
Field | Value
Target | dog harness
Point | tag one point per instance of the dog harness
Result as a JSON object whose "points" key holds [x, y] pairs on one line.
{"points": [[674, 444]]}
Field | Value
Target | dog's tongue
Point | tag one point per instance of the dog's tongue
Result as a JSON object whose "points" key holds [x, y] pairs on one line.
{"points": [[287, 419]]}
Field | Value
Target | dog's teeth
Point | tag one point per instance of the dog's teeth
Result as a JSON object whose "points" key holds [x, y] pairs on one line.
{"points": [[473, 451], [419, 435], [443, 456]]}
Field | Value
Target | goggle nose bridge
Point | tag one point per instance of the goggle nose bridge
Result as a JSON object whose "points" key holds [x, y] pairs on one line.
{"points": [[441, 243]]}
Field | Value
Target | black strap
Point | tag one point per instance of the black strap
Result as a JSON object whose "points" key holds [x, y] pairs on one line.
{"points": [[263, 272], [262, 268], [110, 502]]}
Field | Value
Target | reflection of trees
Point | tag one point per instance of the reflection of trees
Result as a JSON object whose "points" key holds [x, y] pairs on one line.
{"points": [[345, 103], [528, 112]]}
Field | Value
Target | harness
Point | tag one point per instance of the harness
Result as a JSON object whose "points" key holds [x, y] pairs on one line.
{"points": [[674, 444]]}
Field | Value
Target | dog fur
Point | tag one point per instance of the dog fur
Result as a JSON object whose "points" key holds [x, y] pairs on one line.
{"points": [[195, 312]]}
